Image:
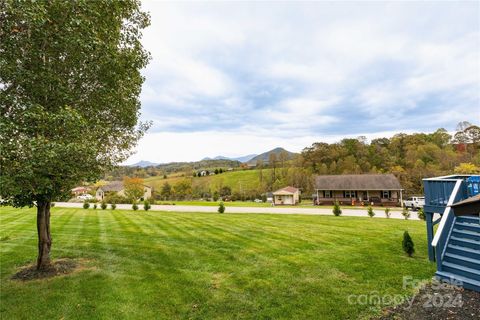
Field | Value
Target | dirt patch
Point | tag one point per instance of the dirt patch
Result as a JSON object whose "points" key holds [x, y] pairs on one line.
{"points": [[59, 267], [437, 303]]}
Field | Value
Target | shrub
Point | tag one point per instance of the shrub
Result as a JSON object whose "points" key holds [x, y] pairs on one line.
{"points": [[421, 214], [146, 205], [113, 206], [405, 213], [134, 206], [103, 205], [215, 196], [221, 207], [115, 198], [86, 205], [370, 212], [387, 212], [407, 244], [94, 206], [336, 209], [52, 204]]}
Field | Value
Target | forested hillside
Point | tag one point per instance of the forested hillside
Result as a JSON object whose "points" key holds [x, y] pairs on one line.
{"points": [[410, 157]]}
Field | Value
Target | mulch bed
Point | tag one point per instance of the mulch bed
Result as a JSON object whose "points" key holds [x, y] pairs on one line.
{"points": [[57, 268], [437, 303]]}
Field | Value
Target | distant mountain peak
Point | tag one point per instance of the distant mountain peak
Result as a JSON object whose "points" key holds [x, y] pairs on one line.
{"points": [[266, 155], [144, 163]]}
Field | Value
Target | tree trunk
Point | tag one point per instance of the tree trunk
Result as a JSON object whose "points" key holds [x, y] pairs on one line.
{"points": [[44, 237]]}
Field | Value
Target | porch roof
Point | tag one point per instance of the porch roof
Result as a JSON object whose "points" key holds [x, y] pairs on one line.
{"points": [[357, 182]]}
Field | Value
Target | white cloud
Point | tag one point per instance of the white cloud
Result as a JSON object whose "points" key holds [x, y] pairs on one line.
{"points": [[306, 69]]}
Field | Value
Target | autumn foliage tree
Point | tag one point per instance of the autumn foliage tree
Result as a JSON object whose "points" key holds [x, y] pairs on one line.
{"points": [[69, 98], [134, 188]]}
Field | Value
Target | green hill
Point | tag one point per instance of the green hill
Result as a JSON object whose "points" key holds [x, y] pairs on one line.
{"points": [[238, 181]]}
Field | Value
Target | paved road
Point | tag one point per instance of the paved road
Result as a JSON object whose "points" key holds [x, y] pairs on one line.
{"points": [[271, 210]]}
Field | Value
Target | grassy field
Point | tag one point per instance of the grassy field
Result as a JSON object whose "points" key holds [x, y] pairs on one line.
{"points": [[155, 265], [237, 180]]}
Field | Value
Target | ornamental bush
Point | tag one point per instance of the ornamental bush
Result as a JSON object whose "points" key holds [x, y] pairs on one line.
{"points": [[405, 213], [86, 205], [421, 214], [113, 206], [387, 212], [336, 209], [134, 206], [370, 212], [407, 244], [146, 205], [221, 207], [103, 205]]}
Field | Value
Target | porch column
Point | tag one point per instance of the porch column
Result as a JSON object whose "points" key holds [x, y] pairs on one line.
{"points": [[429, 220], [401, 198]]}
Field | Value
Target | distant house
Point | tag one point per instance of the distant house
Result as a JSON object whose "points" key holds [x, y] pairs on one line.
{"points": [[78, 191], [203, 173], [358, 189], [117, 187], [287, 195]]}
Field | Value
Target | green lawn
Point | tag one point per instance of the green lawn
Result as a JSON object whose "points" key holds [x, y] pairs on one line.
{"points": [[215, 203], [156, 265]]}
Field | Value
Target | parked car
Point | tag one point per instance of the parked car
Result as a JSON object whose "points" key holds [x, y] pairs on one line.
{"points": [[85, 197], [258, 200], [414, 202]]}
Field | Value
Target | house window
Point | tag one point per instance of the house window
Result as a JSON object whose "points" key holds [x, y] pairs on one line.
{"points": [[386, 194], [327, 194], [349, 194]]}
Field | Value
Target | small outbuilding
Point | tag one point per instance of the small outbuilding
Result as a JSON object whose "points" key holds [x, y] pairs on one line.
{"points": [[286, 196]]}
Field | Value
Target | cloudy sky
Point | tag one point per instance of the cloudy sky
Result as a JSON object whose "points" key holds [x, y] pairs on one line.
{"points": [[236, 78]]}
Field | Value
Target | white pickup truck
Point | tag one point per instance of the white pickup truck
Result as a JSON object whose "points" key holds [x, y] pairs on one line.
{"points": [[414, 202]]}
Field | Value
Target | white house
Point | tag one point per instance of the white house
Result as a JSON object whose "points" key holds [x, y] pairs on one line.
{"points": [[117, 187], [287, 195]]}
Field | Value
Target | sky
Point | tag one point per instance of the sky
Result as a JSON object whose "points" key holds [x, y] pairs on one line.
{"points": [[235, 78]]}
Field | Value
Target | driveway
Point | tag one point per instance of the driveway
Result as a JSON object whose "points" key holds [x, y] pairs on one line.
{"points": [[266, 210]]}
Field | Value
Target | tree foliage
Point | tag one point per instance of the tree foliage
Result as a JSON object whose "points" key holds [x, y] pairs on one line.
{"points": [[69, 95], [134, 188]]}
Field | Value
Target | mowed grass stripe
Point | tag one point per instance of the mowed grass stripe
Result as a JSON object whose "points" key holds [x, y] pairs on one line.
{"points": [[157, 265]]}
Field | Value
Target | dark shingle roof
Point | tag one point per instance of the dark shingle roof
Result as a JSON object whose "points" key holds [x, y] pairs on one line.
{"points": [[113, 186], [357, 182]]}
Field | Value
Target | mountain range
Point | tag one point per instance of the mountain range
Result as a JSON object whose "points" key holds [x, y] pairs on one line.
{"points": [[241, 159], [250, 159], [253, 158]]}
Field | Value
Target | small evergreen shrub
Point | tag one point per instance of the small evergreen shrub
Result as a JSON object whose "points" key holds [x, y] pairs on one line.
{"points": [[103, 205], [405, 213], [86, 205], [113, 206], [135, 206], [407, 244], [52, 204], [421, 214], [387, 212], [146, 205], [94, 206], [221, 207], [336, 209], [370, 212]]}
